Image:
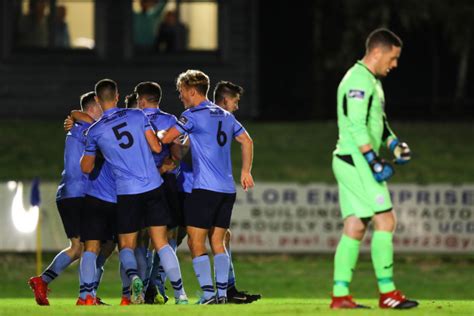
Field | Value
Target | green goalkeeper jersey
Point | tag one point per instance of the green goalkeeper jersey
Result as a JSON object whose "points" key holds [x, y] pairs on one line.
{"points": [[360, 111]]}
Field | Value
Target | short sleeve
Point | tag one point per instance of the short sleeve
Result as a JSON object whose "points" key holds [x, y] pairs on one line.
{"points": [[185, 124], [238, 128], [91, 144], [146, 123]]}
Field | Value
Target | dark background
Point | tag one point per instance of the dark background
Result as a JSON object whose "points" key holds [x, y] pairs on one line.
{"points": [[289, 56]]}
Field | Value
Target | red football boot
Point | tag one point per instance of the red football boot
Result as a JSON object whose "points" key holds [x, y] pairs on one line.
{"points": [[125, 301], [396, 300], [80, 301], [40, 289], [90, 300], [345, 302]]}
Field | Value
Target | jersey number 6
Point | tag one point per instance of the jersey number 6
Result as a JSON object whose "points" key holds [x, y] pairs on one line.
{"points": [[221, 135], [119, 135]]}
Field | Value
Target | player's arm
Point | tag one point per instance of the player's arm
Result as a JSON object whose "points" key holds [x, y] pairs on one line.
{"points": [[87, 163], [74, 116], [172, 134], [88, 157], [153, 141], [356, 103], [246, 179]]}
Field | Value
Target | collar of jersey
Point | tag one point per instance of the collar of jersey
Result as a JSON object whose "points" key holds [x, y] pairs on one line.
{"points": [[359, 62], [111, 111], [151, 110], [203, 104]]}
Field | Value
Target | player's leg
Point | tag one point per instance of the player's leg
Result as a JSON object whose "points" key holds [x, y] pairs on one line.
{"points": [[157, 217], [106, 249], [233, 294], [221, 262], [199, 214], [88, 269], [130, 218], [382, 260], [126, 283], [221, 222], [69, 210], [356, 212], [141, 252]]}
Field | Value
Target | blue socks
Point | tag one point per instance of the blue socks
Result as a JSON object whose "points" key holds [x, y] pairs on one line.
{"points": [[140, 256], [99, 264], [202, 268], [59, 263], [221, 272], [231, 280], [88, 272], [149, 267], [125, 282], [155, 275], [129, 263], [170, 264]]}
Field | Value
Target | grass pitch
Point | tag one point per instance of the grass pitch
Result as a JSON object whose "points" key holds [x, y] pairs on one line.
{"points": [[290, 285]]}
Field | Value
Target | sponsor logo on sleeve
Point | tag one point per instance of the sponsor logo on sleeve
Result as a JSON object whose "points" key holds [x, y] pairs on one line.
{"points": [[356, 94], [183, 120]]}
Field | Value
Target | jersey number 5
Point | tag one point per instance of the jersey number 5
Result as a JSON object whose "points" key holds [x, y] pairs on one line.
{"points": [[221, 135], [119, 135]]}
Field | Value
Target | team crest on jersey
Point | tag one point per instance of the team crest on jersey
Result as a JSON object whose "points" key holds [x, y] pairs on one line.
{"points": [[183, 119], [356, 94]]}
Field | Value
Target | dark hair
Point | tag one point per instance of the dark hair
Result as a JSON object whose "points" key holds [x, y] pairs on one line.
{"points": [[224, 88], [87, 100], [150, 90], [106, 90], [131, 101], [382, 37], [194, 79]]}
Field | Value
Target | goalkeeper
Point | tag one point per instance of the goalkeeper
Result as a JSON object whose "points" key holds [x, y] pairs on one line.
{"points": [[361, 174]]}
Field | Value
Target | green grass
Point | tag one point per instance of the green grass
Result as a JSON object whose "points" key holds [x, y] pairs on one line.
{"points": [[289, 285], [16, 307], [285, 152]]}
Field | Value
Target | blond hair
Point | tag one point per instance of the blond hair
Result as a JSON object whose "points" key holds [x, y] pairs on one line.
{"points": [[195, 79]]}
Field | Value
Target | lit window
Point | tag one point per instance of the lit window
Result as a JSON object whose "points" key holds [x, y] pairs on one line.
{"points": [[173, 26], [70, 24]]}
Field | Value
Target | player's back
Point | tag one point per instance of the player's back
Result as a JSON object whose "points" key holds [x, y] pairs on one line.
{"points": [[212, 130], [160, 120], [101, 182], [120, 135], [73, 180]]}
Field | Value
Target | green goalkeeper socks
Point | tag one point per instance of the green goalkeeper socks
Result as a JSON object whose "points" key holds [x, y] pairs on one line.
{"points": [[382, 259], [345, 261]]}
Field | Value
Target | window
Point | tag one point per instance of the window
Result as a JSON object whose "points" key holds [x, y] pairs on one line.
{"points": [[174, 25], [57, 24]]}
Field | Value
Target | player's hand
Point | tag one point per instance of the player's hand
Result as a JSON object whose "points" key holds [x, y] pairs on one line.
{"points": [[161, 134], [246, 180], [168, 165], [381, 169], [401, 151], [68, 123]]}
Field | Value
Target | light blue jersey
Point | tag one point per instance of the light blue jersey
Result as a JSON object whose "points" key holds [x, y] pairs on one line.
{"points": [[120, 136], [211, 130], [73, 181], [101, 182], [184, 178], [160, 121]]}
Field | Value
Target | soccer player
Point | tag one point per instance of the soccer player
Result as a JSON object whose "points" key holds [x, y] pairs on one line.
{"points": [[209, 207], [126, 139], [227, 95], [69, 200], [361, 174]]}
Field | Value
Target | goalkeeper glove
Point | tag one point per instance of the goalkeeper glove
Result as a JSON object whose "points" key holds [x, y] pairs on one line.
{"points": [[401, 151], [381, 169]]}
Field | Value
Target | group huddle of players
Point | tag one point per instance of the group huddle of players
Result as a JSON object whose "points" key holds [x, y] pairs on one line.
{"points": [[142, 179]]}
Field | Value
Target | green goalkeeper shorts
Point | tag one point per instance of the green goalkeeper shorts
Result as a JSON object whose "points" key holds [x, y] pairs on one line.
{"points": [[359, 193]]}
